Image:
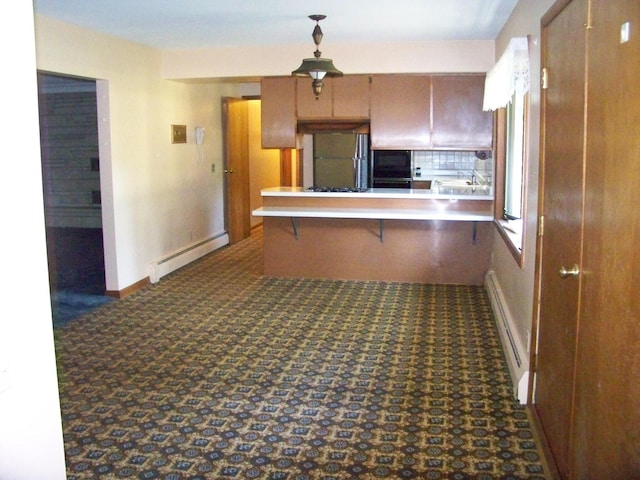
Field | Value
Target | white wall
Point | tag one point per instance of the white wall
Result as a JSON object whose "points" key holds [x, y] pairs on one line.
{"points": [[164, 196], [516, 283], [255, 61], [31, 444]]}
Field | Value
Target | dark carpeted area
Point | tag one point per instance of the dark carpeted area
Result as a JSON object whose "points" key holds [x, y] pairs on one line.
{"points": [[218, 372], [76, 271]]}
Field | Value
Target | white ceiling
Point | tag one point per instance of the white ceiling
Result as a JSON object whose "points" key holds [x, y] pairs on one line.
{"points": [[169, 24]]}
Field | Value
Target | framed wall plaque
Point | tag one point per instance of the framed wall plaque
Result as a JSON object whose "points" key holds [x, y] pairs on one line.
{"points": [[178, 134]]}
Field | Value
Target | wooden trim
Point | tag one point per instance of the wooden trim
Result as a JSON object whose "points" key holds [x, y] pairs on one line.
{"points": [[500, 142], [548, 462], [500, 127], [299, 167], [553, 12], [125, 292], [285, 167], [535, 315]]}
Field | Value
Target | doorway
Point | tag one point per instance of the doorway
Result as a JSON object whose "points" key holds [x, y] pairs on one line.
{"points": [[248, 167], [72, 195]]}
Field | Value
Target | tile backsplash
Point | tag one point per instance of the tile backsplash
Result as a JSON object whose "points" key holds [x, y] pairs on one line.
{"points": [[453, 160]]}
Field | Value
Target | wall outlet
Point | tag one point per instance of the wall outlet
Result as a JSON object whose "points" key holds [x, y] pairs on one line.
{"points": [[213, 168]]}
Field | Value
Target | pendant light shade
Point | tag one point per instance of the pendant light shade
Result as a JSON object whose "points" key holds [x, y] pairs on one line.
{"points": [[317, 67]]}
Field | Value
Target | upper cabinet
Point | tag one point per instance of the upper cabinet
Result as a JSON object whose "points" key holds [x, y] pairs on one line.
{"points": [[279, 120], [401, 111], [310, 107], [351, 96], [416, 112], [341, 98], [458, 119]]}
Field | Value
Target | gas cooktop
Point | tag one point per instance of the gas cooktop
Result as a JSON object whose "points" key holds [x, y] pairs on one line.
{"points": [[316, 188]]}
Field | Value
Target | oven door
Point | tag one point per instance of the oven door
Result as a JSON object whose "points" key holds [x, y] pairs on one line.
{"points": [[391, 183], [391, 164]]}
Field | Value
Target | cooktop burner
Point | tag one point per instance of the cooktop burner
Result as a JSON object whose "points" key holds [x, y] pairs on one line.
{"points": [[316, 188]]}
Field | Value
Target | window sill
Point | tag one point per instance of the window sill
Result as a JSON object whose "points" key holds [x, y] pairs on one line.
{"points": [[511, 232]]}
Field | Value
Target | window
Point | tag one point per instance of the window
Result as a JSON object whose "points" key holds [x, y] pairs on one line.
{"points": [[513, 162], [510, 168], [506, 93]]}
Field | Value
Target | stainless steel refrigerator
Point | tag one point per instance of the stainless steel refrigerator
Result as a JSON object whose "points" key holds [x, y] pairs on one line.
{"points": [[341, 160]]}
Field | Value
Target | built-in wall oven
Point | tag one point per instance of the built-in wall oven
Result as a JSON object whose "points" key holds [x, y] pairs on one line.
{"points": [[391, 168]]}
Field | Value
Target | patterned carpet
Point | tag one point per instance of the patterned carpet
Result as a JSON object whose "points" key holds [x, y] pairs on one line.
{"points": [[217, 372]]}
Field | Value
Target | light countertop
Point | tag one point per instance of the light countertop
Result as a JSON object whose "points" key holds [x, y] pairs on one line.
{"points": [[436, 192], [403, 204]]}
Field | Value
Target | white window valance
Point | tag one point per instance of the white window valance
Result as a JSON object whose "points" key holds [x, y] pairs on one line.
{"points": [[509, 75]]}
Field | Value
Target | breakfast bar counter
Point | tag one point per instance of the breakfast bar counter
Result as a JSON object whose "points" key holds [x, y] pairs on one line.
{"points": [[442, 235]]}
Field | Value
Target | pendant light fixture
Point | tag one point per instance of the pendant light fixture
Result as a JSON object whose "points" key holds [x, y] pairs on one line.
{"points": [[317, 67]]}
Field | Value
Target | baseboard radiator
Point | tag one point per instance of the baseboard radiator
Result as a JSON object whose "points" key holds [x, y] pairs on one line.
{"points": [[514, 348], [182, 257]]}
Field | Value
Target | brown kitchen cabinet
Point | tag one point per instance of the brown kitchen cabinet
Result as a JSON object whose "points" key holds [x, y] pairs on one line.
{"points": [[341, 98], [351, 96], [400, 111], [421, 184], [310, 107], [414, 112], [458, 119], [279, 121]]}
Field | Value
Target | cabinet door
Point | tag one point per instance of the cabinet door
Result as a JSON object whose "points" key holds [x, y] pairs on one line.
{"points": [[278, 112], [351, 96], [310, 107], [400, 111], [458, 119], [341, 98]]}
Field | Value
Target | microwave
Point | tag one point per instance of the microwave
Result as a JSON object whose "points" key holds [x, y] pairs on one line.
{"points": [[391, 164]]}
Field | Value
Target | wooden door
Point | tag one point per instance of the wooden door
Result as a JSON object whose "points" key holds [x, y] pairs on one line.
{"points": [[236, 169], [561, 200], [607, 400]]}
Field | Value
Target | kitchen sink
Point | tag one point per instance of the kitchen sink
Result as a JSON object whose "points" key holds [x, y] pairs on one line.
{"points": [[455, 183], [459, 185]]}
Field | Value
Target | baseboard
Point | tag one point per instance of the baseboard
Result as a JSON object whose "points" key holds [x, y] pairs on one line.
{"points": [[175, 260], [128, 290], [514, 348]]}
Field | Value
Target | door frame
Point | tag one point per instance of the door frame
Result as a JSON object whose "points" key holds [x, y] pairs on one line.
{"points": [[556, 9]]}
